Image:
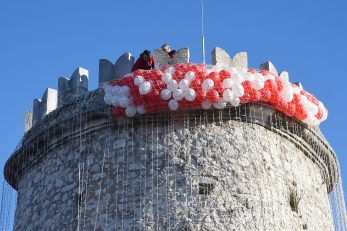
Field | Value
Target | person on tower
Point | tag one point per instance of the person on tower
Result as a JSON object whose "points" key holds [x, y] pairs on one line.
{"points": [[145, 61], [166, 47]]}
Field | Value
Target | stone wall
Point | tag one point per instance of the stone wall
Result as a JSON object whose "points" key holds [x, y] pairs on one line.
{"points": [[180, 171]]}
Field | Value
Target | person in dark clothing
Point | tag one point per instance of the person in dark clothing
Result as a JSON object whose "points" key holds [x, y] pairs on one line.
{"points": [[166, 47], [145, 62]]}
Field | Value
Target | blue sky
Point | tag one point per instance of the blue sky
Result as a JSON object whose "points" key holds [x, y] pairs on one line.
{"points": [[43, 40]]}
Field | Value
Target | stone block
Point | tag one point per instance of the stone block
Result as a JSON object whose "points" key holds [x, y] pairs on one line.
{"points": [[106, 71], [240, 61], [124, 65], [269, 67], [43, 106], [28, 121], [70, 89], [162, 58], [221, 58]]}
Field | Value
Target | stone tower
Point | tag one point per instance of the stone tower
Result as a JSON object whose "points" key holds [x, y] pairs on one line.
{"points": [[239, 168]]}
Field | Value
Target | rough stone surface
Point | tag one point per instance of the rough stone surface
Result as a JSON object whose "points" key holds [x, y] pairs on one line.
{"points": [[240, 61], [70, 89], [106, 71], [44, 106], [162, 58], [220, 57], [28, 121], [124, 65], [147, 173]]}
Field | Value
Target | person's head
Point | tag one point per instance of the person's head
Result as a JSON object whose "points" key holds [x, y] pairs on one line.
{"points": [[146, 55], [166, 47]]}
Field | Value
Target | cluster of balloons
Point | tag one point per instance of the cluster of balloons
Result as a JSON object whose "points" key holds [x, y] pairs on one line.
{"points": [[185, 86]]}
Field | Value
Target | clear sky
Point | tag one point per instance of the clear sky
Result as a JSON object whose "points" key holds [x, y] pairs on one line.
{"points": [[42, 40]]}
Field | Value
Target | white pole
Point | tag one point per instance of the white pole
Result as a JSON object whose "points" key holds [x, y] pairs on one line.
{"points": [[202, 30]]}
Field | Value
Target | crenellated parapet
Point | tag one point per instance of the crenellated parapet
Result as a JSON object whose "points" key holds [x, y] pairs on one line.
{"points": [[43, 106], [109, 71], [70, 89], [221, 58]]}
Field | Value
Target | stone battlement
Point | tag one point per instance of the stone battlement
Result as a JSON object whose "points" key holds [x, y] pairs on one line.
{"points": [[70, 89]]}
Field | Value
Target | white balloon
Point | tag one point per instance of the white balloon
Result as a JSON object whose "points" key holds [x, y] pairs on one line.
{"points": [[190, 76], [207, 70], [235, 102], [206, 104], [166, 77], [115, 101], [123, 101], [287, 93], [130, 111], [249, 76], [238, 78], [115, 90], [141, 109], [238, 89], [220, 104], [145, 88], [190, 94], [228, 83], [184, 84], [124, 90], [108, 99], [170, 70], [296, 89], [284, 77], [258, 83], [165, 94], [228, 95], [178, 94], [269, 76], [207, 85], [325, 111], [173, 105], [108, 90], [138, 80], [172, 85]]}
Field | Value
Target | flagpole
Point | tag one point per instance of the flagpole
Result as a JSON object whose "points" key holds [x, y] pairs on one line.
{"points": [[202, 30]]}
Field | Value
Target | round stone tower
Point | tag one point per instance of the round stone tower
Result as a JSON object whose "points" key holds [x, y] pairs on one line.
{"points": [[239, 168]]}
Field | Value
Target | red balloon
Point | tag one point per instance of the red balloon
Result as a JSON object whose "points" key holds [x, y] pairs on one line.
{"points": [[212, 96], [118, 111], [219, 87], [224, 74], [138, 72], [300, 114], [279, 83], [254, 95], [265, 95], [196, 83], [150, 106], [247, 85], [184, 104], [319, 115], [214, 76]]}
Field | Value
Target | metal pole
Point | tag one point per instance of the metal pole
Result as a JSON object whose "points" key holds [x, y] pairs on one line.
{"points": [[202, 30]]}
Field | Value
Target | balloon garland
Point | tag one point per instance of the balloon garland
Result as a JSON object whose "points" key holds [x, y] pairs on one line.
{"points": [[185, 86]]}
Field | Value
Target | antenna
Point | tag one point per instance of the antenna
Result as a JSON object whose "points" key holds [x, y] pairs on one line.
{"points": [[202, 31]]}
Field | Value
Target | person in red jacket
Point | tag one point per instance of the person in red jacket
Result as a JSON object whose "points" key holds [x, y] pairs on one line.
{"points": [[145, 62], [166, 47]]}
